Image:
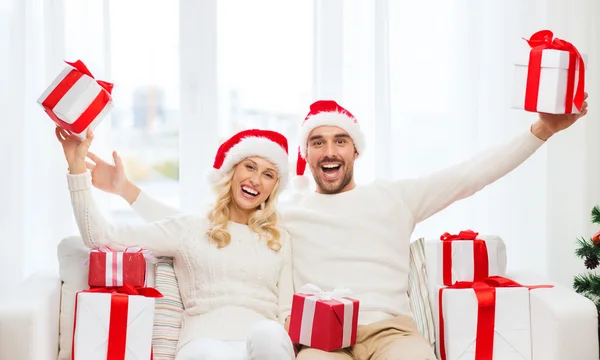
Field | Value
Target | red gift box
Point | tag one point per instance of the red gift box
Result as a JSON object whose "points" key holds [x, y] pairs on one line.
{"points": [[75, 100], [323, 320], [109, 268]]}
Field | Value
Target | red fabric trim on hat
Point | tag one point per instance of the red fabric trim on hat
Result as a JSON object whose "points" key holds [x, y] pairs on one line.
{"points": [[327, 106]]}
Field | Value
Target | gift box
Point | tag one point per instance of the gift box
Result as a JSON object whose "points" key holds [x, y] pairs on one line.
{"points": [[549, 76], [487, 319], [109, 268], [76, 101], [325, 320], [114, 324], [467, 257]]}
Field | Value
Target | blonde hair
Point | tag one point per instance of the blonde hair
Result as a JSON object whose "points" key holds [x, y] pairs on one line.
{"points": [[262, 221]]}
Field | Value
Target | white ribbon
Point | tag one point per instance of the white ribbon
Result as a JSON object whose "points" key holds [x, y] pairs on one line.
{"points": [[308, 312]]}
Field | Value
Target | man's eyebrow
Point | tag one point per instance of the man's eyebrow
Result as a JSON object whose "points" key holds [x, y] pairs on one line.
{"points": [[337, 136], [342, 136]]}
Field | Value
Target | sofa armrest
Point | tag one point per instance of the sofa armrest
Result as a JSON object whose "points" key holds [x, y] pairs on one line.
{"points": [[564, 324], [29, 318]]}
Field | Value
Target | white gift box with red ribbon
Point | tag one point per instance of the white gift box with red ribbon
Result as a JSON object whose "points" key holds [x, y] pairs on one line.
{"points": [[114, 324], [76, 101], [325, 320], [549, 76]]}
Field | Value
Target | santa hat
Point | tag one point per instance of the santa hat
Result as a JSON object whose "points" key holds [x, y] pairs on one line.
{"points": [[325, 113], [267, 144]]}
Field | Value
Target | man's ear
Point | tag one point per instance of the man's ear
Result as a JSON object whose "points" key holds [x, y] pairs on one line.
{"points": [[355, 153]]}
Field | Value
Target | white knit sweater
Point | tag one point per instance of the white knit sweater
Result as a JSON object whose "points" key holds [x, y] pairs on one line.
{"points": [[224, 291], [360, 239]]}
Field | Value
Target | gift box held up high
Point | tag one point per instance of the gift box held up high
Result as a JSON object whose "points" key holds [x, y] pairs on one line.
{"points": [[485, 320], [549, 76], [325, 320], [467, 257], [76, 101], [114, 324], [109, 268]]}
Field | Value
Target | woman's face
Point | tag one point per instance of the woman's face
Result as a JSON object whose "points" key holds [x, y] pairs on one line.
{"points": [[253, 181]]}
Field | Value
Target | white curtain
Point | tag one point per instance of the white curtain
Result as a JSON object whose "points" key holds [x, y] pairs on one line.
{"points": [[430, 82], [34, 212]]}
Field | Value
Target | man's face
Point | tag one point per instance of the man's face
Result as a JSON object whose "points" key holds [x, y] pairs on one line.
{"points": [[331, 156]]}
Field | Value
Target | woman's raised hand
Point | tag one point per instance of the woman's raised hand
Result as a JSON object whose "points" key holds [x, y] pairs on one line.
{"points": [[75, 149]]}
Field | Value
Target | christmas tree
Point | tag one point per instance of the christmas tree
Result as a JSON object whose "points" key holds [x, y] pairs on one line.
{"points": [[588, 284]]}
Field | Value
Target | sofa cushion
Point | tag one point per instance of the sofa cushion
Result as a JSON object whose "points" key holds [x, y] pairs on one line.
{"points": [[168, 309], [418, 291], [73, 269]]}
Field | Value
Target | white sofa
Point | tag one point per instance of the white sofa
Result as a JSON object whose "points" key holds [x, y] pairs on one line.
{"points": [[564, 324]]}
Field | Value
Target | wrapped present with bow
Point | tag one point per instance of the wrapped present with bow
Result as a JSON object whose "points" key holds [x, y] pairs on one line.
{"points": [[467, 257], [110, 268], [325, 320], [114, 323], [76, 101], [549, 76], [483, 320]]}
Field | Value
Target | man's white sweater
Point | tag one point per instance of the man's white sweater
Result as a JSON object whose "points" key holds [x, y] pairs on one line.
{"points": [[360, 239]]}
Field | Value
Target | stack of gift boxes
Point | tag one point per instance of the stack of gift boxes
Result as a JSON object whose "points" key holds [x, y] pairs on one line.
{"points": [[481, 313], [114, 318]]}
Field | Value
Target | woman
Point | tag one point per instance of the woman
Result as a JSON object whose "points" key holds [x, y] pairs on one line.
{"points": [[233, 265]]}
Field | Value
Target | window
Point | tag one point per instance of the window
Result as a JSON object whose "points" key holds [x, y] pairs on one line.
{"points": [[142, 60], [265, 72], [145, 121]]}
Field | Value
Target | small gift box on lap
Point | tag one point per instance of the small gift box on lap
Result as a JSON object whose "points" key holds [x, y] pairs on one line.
{"points": [[467, 257], [487, 319], [110, 268], [325, 320], [114, 323], [549, 76], [76, 101]]}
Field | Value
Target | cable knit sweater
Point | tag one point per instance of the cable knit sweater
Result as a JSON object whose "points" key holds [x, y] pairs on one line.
{"points": [[224, 291], [360, 239]]}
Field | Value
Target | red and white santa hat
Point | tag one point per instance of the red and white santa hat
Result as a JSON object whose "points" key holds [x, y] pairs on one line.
{"points": [[325, 113], [267, 144]]}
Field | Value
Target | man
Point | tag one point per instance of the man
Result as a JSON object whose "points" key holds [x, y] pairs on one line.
{"points": [[358, 237]]}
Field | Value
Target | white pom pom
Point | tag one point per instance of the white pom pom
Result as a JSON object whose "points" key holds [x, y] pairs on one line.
{"points": [[214, 176], [300, 182]]}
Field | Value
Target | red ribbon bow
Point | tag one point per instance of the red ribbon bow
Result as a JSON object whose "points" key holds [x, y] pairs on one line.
{"points": [[80, 66], [539, 42], [480, 255], [485, 290], [462, 235], [119, 308]]}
